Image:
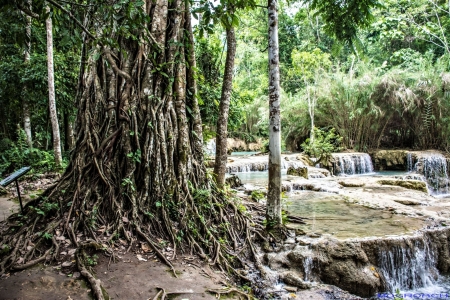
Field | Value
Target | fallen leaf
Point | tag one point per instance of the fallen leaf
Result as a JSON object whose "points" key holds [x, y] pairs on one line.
{"points": [[145, 247]]}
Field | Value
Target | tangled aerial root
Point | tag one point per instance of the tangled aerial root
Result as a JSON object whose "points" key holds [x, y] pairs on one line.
{"points": [[227, 239]]}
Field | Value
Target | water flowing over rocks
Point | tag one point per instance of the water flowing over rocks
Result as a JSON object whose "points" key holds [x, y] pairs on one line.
{"points": [[363, 234], [432, 165], [260, 163], [364, 267], [302, 184], [351, 163]]}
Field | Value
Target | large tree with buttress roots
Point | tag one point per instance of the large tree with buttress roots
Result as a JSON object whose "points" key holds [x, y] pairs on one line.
{"points": [[136, 171]]}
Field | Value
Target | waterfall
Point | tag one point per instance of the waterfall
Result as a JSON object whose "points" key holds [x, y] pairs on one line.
{"points": [[307, 266], [408, 266], [433, 166], [210, 147], [409, 162], [257, 164], [352, 163]]}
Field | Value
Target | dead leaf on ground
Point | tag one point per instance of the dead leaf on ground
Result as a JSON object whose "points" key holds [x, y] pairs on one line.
{"points": [[145, 247]]}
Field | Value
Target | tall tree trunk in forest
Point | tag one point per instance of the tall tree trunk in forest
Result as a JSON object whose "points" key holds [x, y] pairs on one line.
{"points": [[222, 122], [25, 104], [137, 167], [311, 109], [273, 209], [68, 132], [51, 91]]}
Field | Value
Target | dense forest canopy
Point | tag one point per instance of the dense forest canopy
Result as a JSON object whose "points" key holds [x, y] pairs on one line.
{"points": [[395, 72], [386, 89]]}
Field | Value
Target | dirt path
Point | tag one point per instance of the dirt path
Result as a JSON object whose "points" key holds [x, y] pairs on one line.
{"points": [[129, 279]]}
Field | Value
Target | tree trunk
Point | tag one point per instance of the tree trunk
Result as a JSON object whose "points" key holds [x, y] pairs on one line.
{"points": [[51, 92], [222, 122], [68, 132], [26, 108], [136, 171], [273, 210], [311, 110]]}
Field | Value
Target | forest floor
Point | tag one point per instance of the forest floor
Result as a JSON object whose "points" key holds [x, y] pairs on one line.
{"points": [[134, 275]]}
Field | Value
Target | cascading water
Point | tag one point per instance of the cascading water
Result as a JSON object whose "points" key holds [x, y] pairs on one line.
{"points": [[257, 164], [409, 162], [352, 163], [408, 266], [307, 266], [433, 166]]}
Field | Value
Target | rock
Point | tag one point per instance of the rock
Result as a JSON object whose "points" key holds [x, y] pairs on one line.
{"points": [[347, 250], [302, 242], [291, 289], [305, 160], [394, 160], [233, 181], [291, 278], [408, 201], [300, 171], [299, 231], [240, 145], [66, 264], [408, 184], [314, 235], [296, 256], [351, 184]]}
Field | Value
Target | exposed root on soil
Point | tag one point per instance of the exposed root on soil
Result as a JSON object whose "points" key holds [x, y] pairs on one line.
{"points": [[232, 291], [136, 173]]}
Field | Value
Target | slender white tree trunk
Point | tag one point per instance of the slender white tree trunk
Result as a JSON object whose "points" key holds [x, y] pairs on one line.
{"points": [[51, 92], [311, 108], [26, 108], [273, 210]]}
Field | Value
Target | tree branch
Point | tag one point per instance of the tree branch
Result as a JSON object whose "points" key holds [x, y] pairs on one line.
{"points": [[73, 18], [26, 10]]}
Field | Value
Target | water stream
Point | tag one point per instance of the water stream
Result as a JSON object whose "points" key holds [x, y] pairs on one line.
{"points": [[433, 166], [409, 268], [351, 163]]}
